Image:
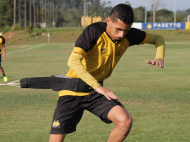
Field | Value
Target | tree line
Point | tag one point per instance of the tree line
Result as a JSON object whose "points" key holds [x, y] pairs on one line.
{"points": [[19, 14]]}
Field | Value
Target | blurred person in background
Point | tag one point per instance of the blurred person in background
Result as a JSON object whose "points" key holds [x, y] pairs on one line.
{"points": [[2, 49]]}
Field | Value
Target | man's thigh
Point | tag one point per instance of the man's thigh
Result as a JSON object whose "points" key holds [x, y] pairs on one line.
{"points": [[67, 115], [100, 106]]}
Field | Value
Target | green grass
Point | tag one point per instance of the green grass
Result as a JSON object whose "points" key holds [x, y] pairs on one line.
{"points": [[158, 99]]}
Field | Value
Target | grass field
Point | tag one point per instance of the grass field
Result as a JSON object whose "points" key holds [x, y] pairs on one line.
{"points": [[158, 99]]}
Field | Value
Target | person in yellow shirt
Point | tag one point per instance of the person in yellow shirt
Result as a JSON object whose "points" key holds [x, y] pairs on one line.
{"points": [[97, 51], [2, 48]]}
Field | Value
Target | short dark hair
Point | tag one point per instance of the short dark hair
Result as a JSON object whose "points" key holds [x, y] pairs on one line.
{"points": [[123, 12]]}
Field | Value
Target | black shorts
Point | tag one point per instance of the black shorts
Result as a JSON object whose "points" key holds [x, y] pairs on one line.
{"points": [[70, 109]]}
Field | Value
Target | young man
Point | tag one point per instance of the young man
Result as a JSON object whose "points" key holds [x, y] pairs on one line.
{"points": [[2, 48], [96, 53]]}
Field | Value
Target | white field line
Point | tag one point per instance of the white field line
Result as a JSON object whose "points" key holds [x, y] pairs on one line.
{"points": [[26, 49], [15, 83]]}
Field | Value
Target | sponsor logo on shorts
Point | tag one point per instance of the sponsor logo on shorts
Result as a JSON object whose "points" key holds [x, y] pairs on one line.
{"points": [[56, 124]]}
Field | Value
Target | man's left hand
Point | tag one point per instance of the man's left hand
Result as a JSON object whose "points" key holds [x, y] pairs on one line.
{"points": [[156, 62]]}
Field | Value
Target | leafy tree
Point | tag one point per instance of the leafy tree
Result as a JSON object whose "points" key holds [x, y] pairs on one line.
{"points": [[139, 14], [164, 15], [69, 12], [188, 11], [180, 17], [127, 3], [6, 13]]}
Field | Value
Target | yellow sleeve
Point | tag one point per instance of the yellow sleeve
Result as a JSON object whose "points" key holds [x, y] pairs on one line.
{"points": [[158, 41], [74, 63], [79, 51]]}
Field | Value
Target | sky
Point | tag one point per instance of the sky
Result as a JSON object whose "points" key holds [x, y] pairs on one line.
{"points": [[164, 4]]}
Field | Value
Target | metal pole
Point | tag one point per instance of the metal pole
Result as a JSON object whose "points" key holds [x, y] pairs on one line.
{"points": [[87, 10], [19, 15], [145, 16], [48, 13], [42, 16], [14, 17], [84, 13], [39, 15], [188, 17], [30, 13], [34, 6], [174, 12], [45, 15], [53, 17], [25, 14], [154, 12]]}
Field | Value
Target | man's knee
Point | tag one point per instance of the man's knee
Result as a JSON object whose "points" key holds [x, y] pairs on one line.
{"points": [[121, 118], [57, 137], [125, 123]]}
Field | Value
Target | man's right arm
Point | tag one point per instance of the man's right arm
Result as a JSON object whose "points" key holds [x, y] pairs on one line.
{"points": [[4, 53], [75, 64]]}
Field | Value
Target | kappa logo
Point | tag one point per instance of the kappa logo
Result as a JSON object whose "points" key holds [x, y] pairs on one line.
{"points": [[56, 124], [118, 52], [103, 50]]}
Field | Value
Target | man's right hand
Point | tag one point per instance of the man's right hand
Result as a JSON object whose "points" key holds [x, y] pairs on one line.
{"points": [[107, 93]]}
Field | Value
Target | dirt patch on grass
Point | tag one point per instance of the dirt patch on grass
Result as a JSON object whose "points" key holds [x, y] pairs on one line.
{"points": [[57, 35], [9, 35]]}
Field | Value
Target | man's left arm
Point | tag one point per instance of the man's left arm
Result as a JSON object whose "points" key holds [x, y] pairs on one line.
{"points": [[4, 53], [159, 42]]}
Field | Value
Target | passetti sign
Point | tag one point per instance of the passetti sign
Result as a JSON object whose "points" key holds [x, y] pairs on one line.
{"points": [[149, 26]]}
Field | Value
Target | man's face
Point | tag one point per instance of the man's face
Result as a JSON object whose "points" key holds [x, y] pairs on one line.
{"points": [[117, 29]]}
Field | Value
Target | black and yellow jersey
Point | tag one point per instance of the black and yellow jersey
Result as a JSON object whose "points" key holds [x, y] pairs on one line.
{"points": [[100, 53], [2, 42]]}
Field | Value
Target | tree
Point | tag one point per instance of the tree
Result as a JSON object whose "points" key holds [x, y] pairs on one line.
{"points": [[6, 13], [45, 13], [164, 15], [30, 9], [25, 14], [14, 20], [42, 12], [139, 14], [19, 14], [69, 12], [127, 3], [34, 6]]}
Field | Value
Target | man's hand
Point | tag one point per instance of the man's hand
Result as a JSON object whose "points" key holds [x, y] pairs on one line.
{"points": [[156, 62], [4, 58], [107, 93]]}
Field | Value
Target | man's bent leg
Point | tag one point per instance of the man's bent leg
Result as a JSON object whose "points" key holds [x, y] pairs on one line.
{"points": [[57, 137], [1, 70], [123, 121]]}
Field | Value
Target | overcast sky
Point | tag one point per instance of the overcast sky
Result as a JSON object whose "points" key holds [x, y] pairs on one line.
{"points": [[167, 4]]}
